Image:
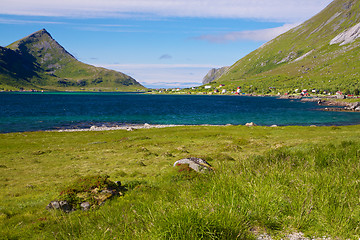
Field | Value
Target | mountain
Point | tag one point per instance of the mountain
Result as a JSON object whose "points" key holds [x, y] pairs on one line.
{"points": [[322, 53], [39, 62], [214, 74]]}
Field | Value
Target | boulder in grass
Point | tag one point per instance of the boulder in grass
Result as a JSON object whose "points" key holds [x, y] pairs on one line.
{"points": [[197, 164], [250, 124]]}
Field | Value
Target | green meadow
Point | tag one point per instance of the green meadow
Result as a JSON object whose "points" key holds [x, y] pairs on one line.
{"points": [[277, 181]]}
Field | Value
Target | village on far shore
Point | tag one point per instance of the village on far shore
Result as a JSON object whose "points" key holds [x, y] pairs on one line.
{"points": [[221, 89], [338, 100]]}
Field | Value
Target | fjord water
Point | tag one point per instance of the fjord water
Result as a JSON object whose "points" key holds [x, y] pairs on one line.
{"points": [[48, 111]]}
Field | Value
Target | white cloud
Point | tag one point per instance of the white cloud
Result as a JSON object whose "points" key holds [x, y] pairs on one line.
{"points": [[276, 10], [261, 35], [15, 21]]}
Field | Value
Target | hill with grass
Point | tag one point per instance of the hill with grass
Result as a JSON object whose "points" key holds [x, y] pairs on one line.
{"points": [[39, 62], [322, 54]]}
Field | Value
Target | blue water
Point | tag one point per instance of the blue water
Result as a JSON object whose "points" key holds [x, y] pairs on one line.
{"points": [[48, 111]]}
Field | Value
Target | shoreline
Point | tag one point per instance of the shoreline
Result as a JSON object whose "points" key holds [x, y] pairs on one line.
{"points": [[127, 127], [133, 127], [332, 103]]}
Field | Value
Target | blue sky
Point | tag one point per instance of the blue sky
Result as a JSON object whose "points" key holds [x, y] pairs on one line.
{"points": [[161, 43]]}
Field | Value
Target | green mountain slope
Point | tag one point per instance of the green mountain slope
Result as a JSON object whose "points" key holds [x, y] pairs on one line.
{"points": [[39, 62], [304, 58]]}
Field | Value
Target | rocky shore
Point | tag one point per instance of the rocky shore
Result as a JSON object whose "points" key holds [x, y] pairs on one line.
{"points": [[129, 127], [333, 103]]}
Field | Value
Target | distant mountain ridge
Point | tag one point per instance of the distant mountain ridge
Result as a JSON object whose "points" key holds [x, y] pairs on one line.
{"points": [[322, 53], [38, 61]]}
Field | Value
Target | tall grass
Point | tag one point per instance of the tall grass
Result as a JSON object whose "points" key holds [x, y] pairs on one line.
{"points": [[309, 187]]}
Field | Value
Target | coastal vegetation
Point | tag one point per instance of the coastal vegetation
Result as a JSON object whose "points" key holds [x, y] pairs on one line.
{"points": [[38, 62], [273, 180], [321, 53]]}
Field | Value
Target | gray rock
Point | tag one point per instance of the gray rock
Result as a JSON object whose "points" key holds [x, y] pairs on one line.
{"points": [[61, 205], [53, 205], [197, 164], [85, 206], [348, 36], [214, 74], [353, 106], [64, 205]]}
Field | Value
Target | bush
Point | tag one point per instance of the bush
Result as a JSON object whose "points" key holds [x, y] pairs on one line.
{"points": [[86, 189]]}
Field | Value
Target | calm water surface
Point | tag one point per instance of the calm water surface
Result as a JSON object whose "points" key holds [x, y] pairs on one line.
{"points": [[46, 111]]}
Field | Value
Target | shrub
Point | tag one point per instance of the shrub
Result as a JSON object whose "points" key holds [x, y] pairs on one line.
{"points": [[86, 189]]}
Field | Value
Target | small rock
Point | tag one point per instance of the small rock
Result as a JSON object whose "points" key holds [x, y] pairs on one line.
{"points": [[250, 124], [274, 125], [130, 129], [53, 205], [93, 128], [313, 126], [85, 206], [62, 205], [197, 164]]}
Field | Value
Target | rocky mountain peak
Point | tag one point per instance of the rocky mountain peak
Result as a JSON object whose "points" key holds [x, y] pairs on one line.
{"points": [[214, 74], [42, 46], [38, 61]]}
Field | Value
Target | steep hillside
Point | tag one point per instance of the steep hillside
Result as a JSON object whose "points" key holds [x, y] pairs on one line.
{"points": [[214, 74], [322, 53], [38, 61]]}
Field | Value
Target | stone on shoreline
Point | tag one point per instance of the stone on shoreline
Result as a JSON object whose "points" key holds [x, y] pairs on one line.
{"points": [[250, 124]]}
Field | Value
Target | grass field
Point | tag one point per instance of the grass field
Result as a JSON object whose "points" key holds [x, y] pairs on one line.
{"points": [[275, 180]]}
